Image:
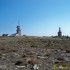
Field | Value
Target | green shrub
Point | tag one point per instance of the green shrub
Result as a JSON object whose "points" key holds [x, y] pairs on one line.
{"points": [[50, 43]]}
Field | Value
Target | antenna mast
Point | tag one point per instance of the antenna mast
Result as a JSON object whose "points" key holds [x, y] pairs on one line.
{"points": [[18, 22]]}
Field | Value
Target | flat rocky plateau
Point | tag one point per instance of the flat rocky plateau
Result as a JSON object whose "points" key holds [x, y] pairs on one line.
{"points": [[18, 53]]}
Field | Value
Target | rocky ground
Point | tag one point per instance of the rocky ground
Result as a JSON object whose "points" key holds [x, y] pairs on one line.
{"points": [[19, 53]]}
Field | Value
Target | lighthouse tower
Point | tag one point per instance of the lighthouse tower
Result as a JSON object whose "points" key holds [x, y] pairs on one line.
{"points": [[18, 31], [59, 32]]}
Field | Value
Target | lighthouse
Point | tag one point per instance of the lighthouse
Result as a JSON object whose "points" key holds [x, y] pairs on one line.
{"points": [[59, 32], [18, 31]]}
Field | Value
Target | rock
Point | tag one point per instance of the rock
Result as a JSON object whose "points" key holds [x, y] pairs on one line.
{"points": [[18, 63]]}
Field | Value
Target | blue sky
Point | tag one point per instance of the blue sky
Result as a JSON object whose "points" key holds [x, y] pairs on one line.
{"points": [[36, 17]]}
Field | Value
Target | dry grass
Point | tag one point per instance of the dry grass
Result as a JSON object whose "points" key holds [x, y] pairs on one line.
{"points": [[13, 43]]}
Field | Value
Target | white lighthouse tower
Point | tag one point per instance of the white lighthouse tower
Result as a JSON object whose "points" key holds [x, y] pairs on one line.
{"points": [[18, 31]]}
